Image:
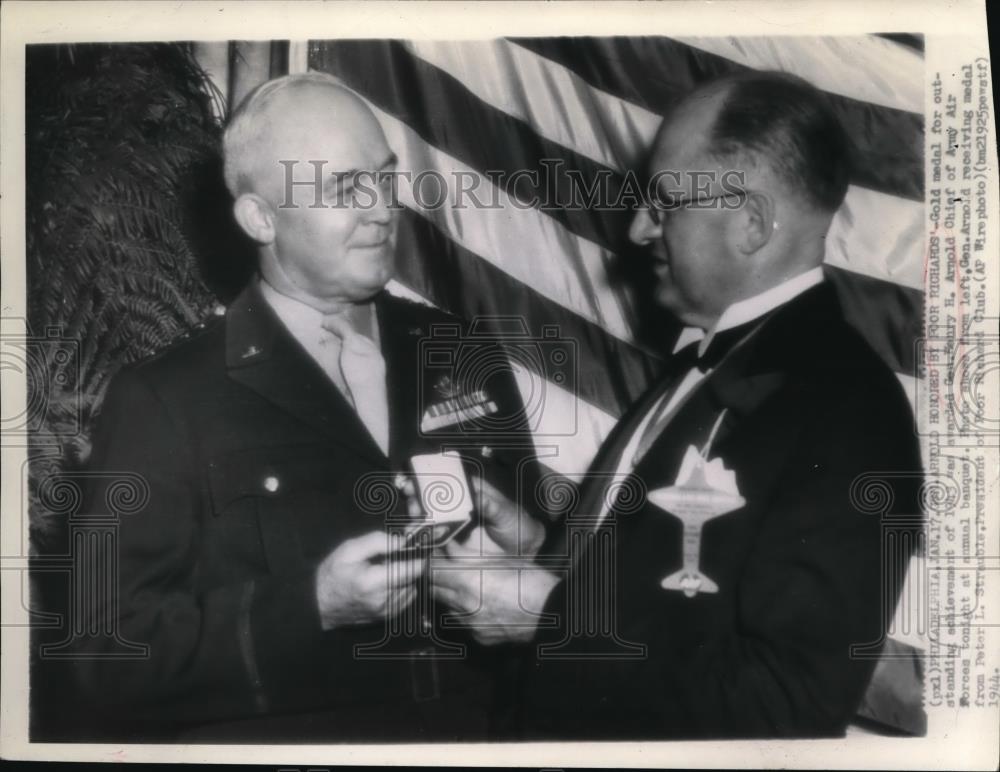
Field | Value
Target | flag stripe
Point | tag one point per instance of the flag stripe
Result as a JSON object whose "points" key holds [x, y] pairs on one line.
{"points": [[655, 72], [571, 428], [860, 67], [879, 236], [873, 233], [550, 98]]}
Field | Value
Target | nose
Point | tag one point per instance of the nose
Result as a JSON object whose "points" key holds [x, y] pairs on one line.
{"points": [[643, 228], [382, 211]]}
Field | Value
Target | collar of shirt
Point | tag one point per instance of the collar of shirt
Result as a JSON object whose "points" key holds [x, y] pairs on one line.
{"points": [[303, 321], [748, 309]]}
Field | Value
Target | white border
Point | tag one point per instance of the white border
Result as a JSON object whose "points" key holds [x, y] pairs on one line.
{"points": [[964, 746]]}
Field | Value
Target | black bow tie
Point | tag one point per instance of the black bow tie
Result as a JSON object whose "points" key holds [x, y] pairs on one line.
{"points": [[721, 344]]}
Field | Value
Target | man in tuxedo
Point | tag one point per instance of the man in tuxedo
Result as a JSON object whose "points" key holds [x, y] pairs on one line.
{"points": [[717, 569], [259, 572]]}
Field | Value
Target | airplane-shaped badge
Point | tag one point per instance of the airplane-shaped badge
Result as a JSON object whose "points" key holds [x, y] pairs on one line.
{"points": [[704, 490]]}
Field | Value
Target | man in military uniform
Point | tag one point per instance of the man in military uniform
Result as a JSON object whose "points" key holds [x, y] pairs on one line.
{"points": [[259, 573], [719, 565]]}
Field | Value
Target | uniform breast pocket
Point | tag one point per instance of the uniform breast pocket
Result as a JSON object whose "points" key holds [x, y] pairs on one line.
{"points": [[258, 498]]}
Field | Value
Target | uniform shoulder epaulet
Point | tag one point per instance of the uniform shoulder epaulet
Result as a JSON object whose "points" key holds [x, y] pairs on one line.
{"points": [[193, 331]]}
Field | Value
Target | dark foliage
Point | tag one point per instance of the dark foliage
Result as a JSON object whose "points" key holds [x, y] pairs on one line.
{"points": [[126, 219]]}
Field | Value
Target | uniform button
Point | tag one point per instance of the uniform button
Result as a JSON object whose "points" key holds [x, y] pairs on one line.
{"points": [[271, 483], [486, 451]]}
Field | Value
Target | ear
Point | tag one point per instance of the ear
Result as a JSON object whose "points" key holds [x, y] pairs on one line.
{"points": [[255, 216], [756, 222]]}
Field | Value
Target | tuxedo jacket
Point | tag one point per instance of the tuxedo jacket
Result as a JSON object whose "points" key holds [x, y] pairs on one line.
{"points": [[809, 414], [257, 469]]}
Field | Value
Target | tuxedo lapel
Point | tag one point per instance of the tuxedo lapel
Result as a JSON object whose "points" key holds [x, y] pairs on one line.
{"points": [[606, 461], [742, 382], [263, 356], [690, 426]]}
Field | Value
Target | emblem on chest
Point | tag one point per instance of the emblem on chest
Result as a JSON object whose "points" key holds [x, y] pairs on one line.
{"points": [[703, 491], [456, 406]]}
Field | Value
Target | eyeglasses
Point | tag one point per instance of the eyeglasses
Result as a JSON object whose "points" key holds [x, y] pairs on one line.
{"points": [[660, 209]]}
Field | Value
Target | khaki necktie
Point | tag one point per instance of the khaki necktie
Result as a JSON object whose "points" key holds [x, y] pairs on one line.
{"points": [[363, 370]]}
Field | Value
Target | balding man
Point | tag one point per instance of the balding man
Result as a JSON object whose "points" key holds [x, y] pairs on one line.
{"points": [[717, 588], [258, 573]]}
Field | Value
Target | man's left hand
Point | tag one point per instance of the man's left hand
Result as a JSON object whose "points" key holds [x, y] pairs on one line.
{"points": [[501, 596]]}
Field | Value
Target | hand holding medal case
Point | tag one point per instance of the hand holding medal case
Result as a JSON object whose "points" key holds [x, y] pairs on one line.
{"points": [[445, 499]]}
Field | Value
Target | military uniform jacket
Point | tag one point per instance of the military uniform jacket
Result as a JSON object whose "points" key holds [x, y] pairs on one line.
{"points": [[809, 411], [257, 469]]}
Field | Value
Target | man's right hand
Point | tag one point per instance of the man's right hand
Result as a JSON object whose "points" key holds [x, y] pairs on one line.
{"points": [[352, 588], [508, 525]]}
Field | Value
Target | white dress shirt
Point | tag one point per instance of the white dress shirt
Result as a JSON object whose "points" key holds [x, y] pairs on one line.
{"points": [[735, 315], [305, 324]]}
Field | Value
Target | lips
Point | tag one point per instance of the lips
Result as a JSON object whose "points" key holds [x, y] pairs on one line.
{"points": [[376, 239], [373, 244]]}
